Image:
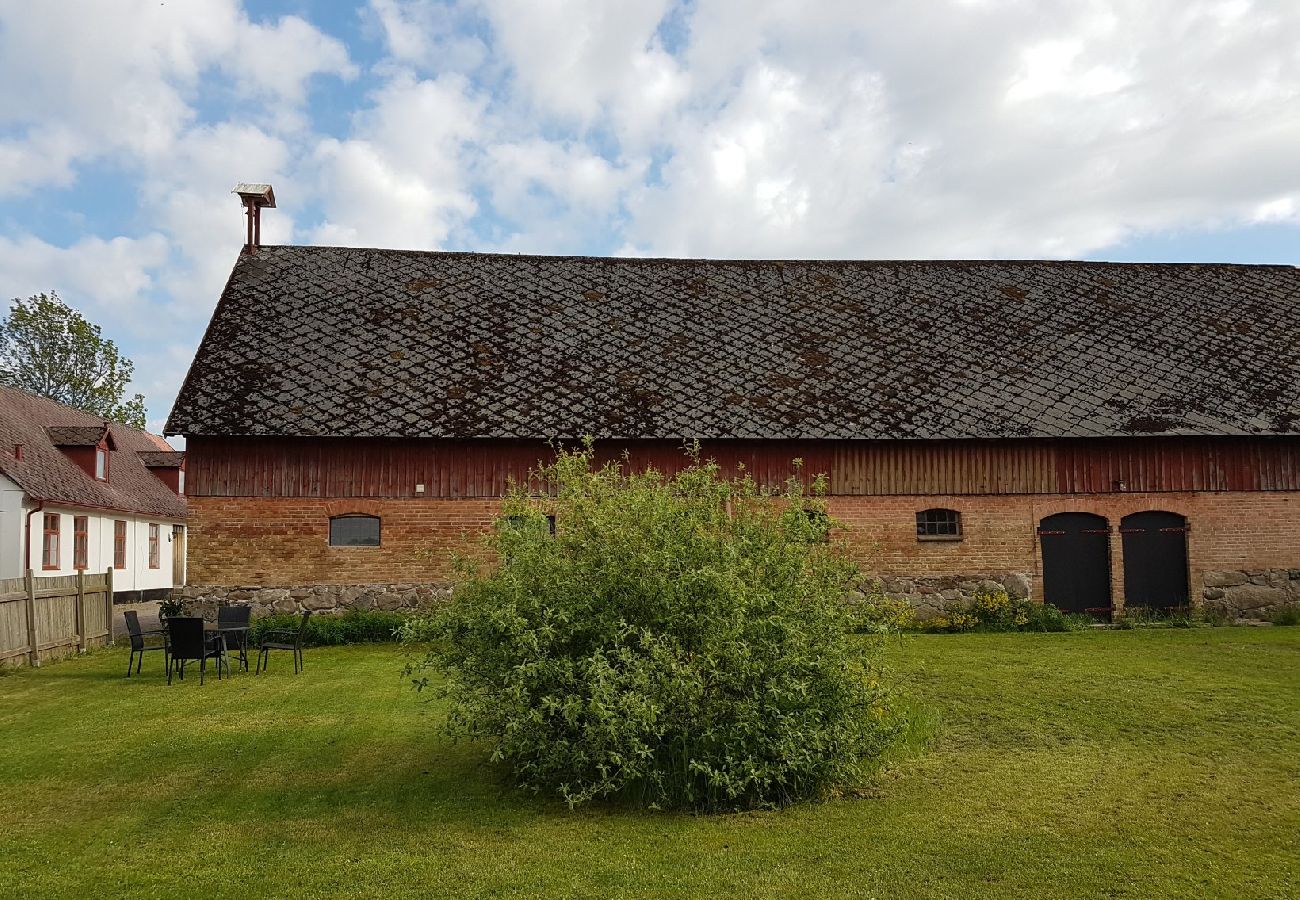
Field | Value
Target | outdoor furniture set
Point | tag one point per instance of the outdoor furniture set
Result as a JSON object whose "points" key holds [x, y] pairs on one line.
{"points": [[185, 639]]}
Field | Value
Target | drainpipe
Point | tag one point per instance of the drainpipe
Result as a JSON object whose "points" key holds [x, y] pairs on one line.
{"points": [[27, 550]]}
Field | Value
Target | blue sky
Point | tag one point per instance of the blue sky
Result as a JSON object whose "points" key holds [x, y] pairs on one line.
{"points": [[1094, 129]]}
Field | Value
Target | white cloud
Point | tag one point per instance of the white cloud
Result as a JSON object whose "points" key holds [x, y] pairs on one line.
{"points": [[400, 180], [103, 278]]}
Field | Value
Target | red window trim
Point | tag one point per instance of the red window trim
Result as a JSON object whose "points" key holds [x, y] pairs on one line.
{"points": [[80, 541], [119, 543], [155, 551], [50, 542]]}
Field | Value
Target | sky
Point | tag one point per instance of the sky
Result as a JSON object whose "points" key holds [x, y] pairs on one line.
{"points": [[1165, 130]]}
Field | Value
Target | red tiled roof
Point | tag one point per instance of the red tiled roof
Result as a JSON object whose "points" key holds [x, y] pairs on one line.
{"points": [[46, 473]]}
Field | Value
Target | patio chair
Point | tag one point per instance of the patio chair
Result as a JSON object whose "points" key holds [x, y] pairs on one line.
{"points": [[139, 644], [283, 639], [189, 642], [230, 621]]}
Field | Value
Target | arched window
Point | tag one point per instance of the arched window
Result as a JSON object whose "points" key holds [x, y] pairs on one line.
{"points": [[354, 531], [938, 525]]}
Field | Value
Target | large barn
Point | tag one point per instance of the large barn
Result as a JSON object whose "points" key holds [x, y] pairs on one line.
{"points": [[1092, 434]]}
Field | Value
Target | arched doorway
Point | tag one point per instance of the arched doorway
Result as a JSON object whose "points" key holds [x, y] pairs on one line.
{"points": [[1155, 559], [1076, 561]]}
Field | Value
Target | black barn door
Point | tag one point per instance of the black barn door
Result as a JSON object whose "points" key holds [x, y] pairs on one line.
{"points": [[1155, 559], [1076, 561]]}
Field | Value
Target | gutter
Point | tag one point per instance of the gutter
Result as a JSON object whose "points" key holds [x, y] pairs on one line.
{"points": [[27, 551]]}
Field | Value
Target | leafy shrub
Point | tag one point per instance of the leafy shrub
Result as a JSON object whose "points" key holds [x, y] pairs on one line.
{"points": [[996, 611], [1286, 615], [171, 606], [675, 643], [882, 615], [357, 626]]}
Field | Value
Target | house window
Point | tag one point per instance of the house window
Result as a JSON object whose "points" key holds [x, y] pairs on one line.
{"points": [[938, 525], [180, 481], [354, 531], [80, 540], [153, 545], [119, 544], [50, 546], [101, 464]]}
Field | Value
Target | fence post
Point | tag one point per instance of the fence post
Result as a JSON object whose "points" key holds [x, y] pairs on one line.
{"points": [[81, 610], [33, 655], [108, 603]]}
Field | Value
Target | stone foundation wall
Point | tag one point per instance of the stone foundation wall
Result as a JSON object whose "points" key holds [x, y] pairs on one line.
{"points": [[928, 595], [327, 599], [1251, 593]]}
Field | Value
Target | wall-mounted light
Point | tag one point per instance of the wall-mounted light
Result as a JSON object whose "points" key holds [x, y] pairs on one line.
{"points": [[1120, 486]]}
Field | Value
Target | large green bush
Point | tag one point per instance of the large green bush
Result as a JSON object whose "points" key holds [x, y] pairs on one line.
{"points": [[676, 642]]}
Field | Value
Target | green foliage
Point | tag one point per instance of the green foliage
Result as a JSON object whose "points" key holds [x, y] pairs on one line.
{"points": [[1286, 615], [675, 643], [1215, 615], [171, 606], [878, 614], [357, 626], [997, 611], [48, 348], [1156, 617]]}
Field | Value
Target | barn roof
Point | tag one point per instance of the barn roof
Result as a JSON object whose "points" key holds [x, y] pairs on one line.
{"points": [[355, 342], [45, 472]]}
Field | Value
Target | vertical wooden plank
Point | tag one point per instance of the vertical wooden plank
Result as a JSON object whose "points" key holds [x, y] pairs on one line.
{"points": [[108, 603], [33, 655], [81, 611]]}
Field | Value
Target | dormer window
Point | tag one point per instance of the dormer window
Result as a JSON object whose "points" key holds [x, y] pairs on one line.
{"points": [[101, 463]]}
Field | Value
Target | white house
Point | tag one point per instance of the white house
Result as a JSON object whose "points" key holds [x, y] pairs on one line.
{"points": [[79, 493]]}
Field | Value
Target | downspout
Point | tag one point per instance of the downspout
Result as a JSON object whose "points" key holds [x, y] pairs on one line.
{"points": [[27, 550]]}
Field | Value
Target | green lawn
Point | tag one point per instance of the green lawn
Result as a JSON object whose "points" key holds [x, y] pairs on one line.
{"points": [[1096, 764]]}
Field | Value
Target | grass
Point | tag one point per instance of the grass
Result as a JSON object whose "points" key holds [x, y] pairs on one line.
{"points": [[1093, 764]]}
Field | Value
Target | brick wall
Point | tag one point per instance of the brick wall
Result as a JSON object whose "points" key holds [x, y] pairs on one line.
{"points": [[253, 541], [280, 542]]}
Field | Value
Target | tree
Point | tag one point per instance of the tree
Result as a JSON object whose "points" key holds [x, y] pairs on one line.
{"points": [[678, 642], [48, 348]]}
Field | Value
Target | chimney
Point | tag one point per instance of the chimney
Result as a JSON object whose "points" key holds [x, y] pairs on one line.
{"points": [[254, 197]]}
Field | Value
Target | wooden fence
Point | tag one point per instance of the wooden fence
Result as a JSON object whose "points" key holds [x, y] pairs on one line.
{"points": [[48, 618]]}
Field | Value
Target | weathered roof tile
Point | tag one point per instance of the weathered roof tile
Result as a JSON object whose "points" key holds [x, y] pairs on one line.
{"points": [[352, 342]]}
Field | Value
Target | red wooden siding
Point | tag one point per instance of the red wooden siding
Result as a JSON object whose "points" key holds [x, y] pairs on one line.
{"points": [[385, 467]]}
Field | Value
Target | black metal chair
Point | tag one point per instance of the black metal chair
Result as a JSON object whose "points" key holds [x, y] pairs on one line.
{"points": [[139, 644], [233, 622], [189, 642], [279, 639]]}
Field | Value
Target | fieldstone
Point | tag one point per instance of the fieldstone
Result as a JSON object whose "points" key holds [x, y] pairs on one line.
{"points": [[1017, 586], [1213, 594], [1293, 574], [388, 602], [1251, 596], [1223, 579], [243, 595], [992, 587], [285, 604], [950, 595], [318, 602]]}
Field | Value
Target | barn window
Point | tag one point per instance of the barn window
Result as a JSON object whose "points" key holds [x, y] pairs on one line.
{"points": [[938, 525], [101, 464], [354, 531], [821, 524], [521, 522]]}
